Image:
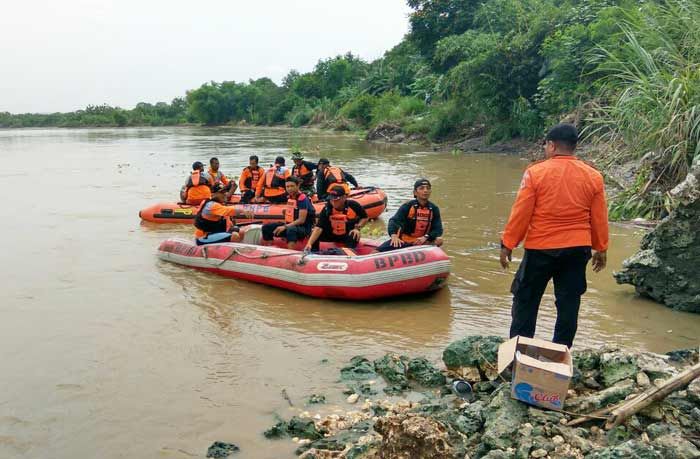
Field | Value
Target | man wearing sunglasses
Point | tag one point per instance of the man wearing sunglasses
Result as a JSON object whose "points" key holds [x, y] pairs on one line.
{"points": [[561, 214]]}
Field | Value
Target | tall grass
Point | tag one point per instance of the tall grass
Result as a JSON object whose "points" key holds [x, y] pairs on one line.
{"points": [[650, 89]]}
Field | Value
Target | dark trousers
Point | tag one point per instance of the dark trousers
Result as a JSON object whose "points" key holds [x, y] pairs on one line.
{"points": [[281, 199], [293, 234], [247, 196], [568, 269], [346, 240]]}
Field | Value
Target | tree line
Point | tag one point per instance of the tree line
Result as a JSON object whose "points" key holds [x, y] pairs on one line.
{"points": [[626, 70]]}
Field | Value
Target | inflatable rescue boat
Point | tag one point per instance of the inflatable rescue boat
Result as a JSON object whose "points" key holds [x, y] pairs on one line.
{"points": [[373, 200], [365, 276]]}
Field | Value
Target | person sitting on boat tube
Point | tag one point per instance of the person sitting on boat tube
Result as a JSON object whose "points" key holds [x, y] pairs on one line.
{"points": [[417, 222], [211, 216], [197, 187], [250, 177], [340, 221], [299, 216], [304, 170], [272, 186], [331, 176], [217, 180]]}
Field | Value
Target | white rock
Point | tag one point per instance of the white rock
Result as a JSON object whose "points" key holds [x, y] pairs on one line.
{"points": [[557, 439], [643, 379], [353, 398], [539, 453]]}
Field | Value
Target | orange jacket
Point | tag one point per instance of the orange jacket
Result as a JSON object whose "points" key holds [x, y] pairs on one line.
{"points": [[561, 203], [250, 178], [197, 188], [215, 210], [272, 183], [216, 177]]}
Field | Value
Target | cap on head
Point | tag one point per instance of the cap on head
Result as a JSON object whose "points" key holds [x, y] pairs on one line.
{"points": [[197, 165], [420, 182], [336, 192], [279, 160], [297, 155], [323, 161], [564, 133]]}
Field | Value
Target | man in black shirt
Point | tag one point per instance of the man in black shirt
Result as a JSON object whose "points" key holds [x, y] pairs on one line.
{"points": [[339, 221], [417, 222]]}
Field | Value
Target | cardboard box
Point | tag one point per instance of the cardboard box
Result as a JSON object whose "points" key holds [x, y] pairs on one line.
{"points": [[542, 370]]}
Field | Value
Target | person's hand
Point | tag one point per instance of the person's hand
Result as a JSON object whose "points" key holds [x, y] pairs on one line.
{"points": [[421, 240], [600, 260], [307, 249], [355, 234], [279, 230], [506, 257], [395, 241], [438, 241]]}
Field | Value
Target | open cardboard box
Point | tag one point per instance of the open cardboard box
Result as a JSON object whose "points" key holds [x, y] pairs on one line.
{"points": [[542, 370]]}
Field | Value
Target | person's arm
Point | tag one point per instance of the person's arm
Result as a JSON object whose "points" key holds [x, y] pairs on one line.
{"points": [[599, 228], [362, 219], [260, 186], [519, 220], [222, 211], [397, 223], [224, 179], [242, 179], [321, 186], [436, 225], [315, 234], [350, 179]]}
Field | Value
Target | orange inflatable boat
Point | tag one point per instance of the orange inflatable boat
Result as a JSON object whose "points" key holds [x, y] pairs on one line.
{"points": [[372, 199]]}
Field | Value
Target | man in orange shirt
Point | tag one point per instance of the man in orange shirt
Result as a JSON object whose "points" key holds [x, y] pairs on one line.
{"points": [[561, 213], [212, 214]]}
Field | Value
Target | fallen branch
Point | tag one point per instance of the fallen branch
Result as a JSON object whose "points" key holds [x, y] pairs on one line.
{"points": [[651, 395]]}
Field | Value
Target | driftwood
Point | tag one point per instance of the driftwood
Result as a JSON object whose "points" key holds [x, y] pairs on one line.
{"points": [[617, 414], [651, 395]]}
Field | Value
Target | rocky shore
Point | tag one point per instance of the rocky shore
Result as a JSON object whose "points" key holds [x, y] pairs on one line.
{"points": [[401, 407]]}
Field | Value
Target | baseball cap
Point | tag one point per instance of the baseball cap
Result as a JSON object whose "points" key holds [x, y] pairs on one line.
{"points": [[279, 160], [420, 183], [297, 155], [324, 161], [336, 192]]}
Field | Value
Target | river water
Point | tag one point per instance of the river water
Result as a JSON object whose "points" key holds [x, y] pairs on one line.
{"points": [[108, 352]]}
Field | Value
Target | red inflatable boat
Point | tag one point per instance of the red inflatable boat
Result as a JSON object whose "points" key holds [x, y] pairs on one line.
{"points": [[363, 277], [372, 199]]}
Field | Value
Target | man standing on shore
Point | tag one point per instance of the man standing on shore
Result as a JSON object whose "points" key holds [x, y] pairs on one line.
{"points": [[561, 213]]}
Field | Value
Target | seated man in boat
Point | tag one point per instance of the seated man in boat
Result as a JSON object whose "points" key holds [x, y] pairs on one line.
{"points": [[304, 171], [417, 222], [340, 221], [196, 187], [217, 180], [211, 216], [299, 216], [271, 187], [330, 176], [249, 179]]}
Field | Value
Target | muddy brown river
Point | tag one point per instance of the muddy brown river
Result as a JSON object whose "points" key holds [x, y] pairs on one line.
{"points": [[107, 352]]}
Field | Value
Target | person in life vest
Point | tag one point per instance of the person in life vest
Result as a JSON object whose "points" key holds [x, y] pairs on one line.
{"points": [[217, 180], [272, 186], [330, 176], [304, 170], [249, 179], [299, 216], [417, 222], [340, 221], [211, 216], [196, 187], [561, 213]]}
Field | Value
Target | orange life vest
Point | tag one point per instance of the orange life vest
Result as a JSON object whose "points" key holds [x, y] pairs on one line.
{"points": [[334, 177], [274, 183], [196, 179], [208, 222], [250, 182], [422, 218], [217, 177], [339, 220], [197, 187], [304, 173]]}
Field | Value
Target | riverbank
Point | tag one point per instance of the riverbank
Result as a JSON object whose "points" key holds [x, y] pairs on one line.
{"points": [[401, 407]]}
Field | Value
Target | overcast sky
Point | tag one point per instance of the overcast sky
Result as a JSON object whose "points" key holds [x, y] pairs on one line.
{"points": [[61, 55]]}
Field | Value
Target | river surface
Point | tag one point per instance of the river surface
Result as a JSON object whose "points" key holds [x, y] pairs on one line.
{"points": [[108, 352]]}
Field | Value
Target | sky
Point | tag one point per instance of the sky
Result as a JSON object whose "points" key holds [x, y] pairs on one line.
{"points": [[64, 55]]}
